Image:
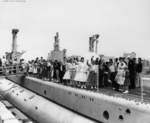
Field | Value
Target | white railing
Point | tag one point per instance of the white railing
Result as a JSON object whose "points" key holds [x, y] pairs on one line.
{"points": [[11, 69]]}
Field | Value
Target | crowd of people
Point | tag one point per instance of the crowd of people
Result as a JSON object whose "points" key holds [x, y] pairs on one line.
{"points": [[120, 74]]}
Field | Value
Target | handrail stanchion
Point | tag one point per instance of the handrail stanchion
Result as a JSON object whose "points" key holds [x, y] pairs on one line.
{"points": [[142, 90], [97, 77], [17, 69], [12, 70], [3, 70]]}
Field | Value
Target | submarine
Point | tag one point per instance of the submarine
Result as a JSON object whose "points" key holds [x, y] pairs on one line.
{"points": [[100, 106], [51, 102]]}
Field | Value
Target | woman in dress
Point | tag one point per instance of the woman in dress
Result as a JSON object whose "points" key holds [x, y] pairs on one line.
{"points": [[82, 73], [120, 77], [35, 69], [67, 75], [92, 76]]}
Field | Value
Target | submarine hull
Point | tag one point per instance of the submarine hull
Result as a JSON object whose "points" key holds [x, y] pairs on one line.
{"points": [[37, 107], [99, 106]]}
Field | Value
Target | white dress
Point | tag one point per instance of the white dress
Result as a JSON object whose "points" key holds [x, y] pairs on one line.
{"points": [[81, 74], [67, 75], [120, 77], [30, 68], [35, 69]]}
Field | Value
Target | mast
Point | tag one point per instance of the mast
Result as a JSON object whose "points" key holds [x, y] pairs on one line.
{"points": [[56, 43], [93, 40], [14, 40]]}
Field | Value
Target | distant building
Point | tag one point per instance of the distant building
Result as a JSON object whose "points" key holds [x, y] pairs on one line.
{"points": [[57, 54], [131, 55]]}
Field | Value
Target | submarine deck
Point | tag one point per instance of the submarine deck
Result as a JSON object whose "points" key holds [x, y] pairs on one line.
{"points": [[137, 94], [134, 94]]}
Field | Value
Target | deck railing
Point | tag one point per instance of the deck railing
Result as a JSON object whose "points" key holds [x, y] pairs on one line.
{"points": [[11, 69]]}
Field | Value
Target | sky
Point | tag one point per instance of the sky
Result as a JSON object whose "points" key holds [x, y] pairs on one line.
{"points": [[123, 26]]}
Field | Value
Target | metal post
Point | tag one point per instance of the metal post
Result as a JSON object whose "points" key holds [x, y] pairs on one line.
{"points": [[96, 50], [16, 69], [97, 77], [142, 90]]}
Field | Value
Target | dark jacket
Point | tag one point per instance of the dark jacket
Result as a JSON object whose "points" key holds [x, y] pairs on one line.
{"points": [[139, 67]]}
